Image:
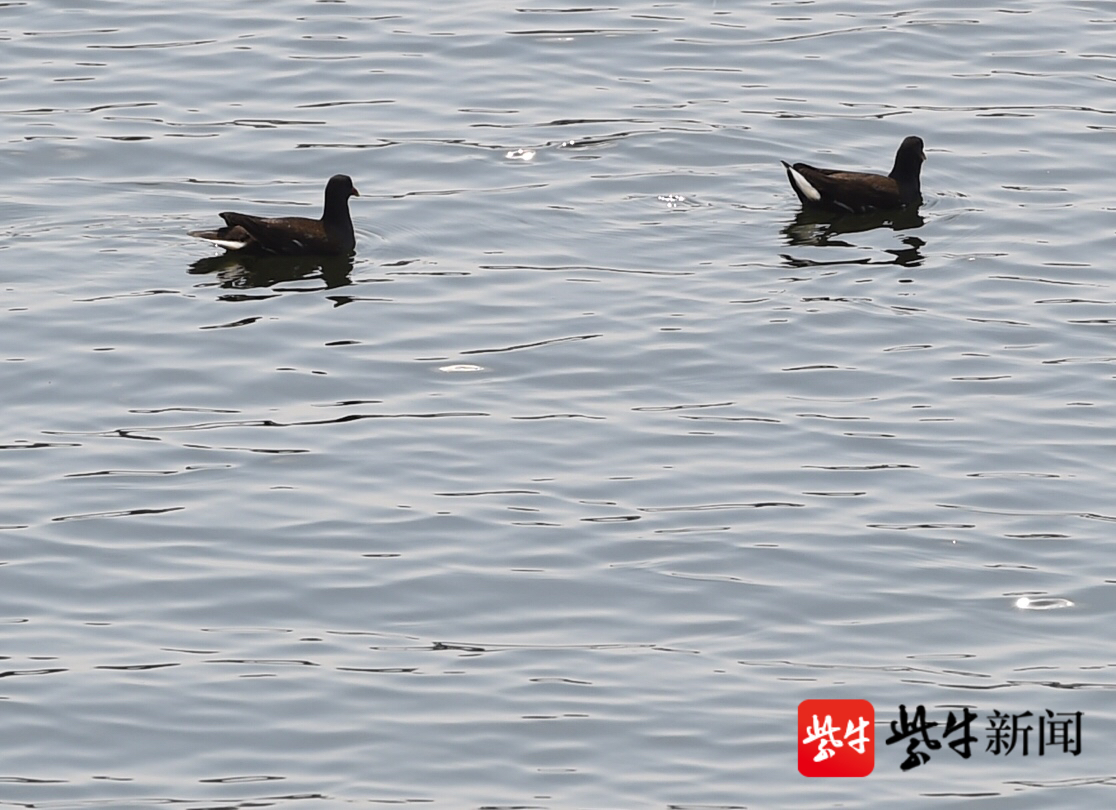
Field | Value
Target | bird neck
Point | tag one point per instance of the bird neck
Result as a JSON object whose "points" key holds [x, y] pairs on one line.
{"points": [[336, 210]]}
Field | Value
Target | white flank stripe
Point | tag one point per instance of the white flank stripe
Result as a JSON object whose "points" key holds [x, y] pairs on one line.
{"points": [[228, 244]]}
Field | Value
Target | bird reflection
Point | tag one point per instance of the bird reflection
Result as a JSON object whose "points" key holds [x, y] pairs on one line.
{"points": [[822, 229], [238, 271]]}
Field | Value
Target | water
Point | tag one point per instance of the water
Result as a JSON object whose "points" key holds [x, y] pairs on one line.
{"points": [[598, 458]]}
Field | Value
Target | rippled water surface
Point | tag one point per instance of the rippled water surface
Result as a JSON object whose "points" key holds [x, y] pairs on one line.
{"points": [[599, 456]]}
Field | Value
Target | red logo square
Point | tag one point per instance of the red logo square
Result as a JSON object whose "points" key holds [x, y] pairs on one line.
{"points": [[836, 738]]}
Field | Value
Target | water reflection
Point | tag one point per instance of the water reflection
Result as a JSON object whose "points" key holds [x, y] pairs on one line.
{"points": [[813, 227], [245, 272], [824, 229]]}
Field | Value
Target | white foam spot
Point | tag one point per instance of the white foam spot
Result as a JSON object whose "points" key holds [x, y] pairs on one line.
{"points": [[521, 154], [1044, 603], [460, 368]]}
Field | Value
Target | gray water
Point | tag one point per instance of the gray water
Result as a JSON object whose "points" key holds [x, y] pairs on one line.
{"points": [[598, 458]]}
